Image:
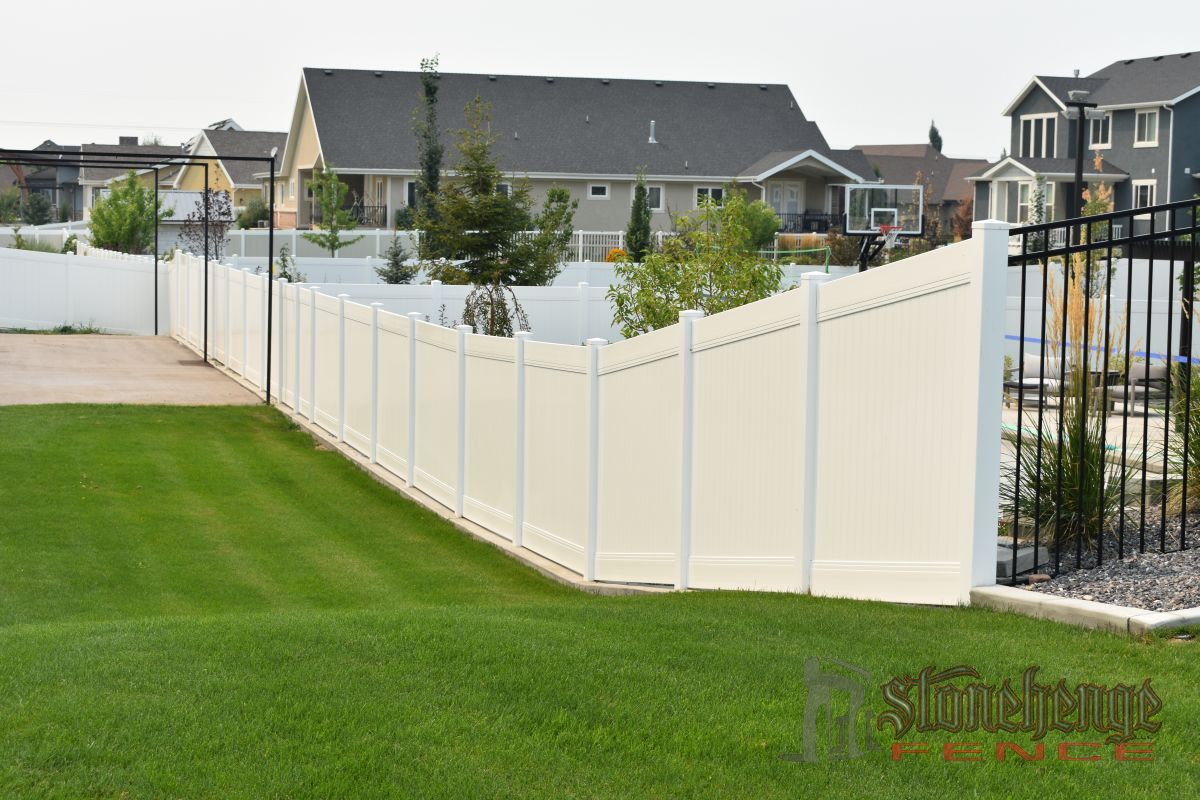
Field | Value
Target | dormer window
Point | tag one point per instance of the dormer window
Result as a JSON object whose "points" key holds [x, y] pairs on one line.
{"points": [[1037, 136]]}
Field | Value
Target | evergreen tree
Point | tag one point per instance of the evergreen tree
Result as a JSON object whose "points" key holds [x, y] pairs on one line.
{"points": [[429, 138], [935, 137], [330, 194], [637, 235]]}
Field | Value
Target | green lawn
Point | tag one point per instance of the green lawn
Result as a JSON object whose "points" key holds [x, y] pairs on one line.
{"points": [[200, 603]]}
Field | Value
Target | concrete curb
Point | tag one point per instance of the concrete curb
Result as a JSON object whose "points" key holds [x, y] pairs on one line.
{"points": [[550, 569], [1081, 613]]}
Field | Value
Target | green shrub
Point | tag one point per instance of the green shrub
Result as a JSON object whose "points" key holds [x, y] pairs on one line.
{"points": [[36, 209], [255, 211]]}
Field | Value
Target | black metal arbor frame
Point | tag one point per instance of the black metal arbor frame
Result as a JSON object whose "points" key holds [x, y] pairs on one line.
{"points": [[156, 163], [1166, 234]]}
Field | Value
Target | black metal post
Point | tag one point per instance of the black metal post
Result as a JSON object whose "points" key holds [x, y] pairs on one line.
{"points": [[154, 213], [270, 268]]}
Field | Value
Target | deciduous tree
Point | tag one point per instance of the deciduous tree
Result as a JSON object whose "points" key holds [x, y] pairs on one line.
{"points": [[330, 194], [126, 218]]}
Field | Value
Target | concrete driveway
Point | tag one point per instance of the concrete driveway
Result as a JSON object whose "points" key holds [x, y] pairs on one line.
{"points": [[110, 369]]}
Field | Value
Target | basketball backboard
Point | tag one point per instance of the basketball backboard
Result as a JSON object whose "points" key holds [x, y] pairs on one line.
{"points": [[870, 206]]}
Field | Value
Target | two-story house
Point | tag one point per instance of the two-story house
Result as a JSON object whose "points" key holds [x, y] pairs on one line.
{"points": [[589, 135], [1147, 133]]}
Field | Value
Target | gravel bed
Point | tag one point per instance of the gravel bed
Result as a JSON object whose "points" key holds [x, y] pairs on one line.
{"points": [[1154, 580]]}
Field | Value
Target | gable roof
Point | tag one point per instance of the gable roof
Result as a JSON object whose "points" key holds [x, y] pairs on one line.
{"points": [[900, 163], [1156, 80], [104, 152], [237, 142], [554, 125], [1050, 167]]}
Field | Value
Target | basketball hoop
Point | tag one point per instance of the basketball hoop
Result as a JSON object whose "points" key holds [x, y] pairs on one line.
{"points": [[889, 233]]}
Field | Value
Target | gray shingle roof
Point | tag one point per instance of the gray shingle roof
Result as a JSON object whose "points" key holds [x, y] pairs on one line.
{"points": [[1157, 79], [1056, 166], [106, 151], [900, 163], [564, 125], [246, 143]]}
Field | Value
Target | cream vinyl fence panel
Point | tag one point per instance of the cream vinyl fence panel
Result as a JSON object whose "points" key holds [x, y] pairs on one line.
{"points": [[394, 384], [327, 368], [236, 335], [490, 453], [749, 441], [256, 305], [638, 515], [357, 352], [556, 453], [305, 351], [437, 413], [907, 407]]}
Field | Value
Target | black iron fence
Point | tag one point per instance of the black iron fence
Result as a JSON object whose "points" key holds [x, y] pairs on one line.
{"points": [[808, 222], [1102, 397]]}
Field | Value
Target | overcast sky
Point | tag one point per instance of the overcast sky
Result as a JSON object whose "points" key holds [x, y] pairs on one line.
{"points": [[866, 71]]}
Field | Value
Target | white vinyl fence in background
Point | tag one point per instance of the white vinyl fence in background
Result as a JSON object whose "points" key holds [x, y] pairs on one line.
{"points": [[842, 438], [110, 291]]}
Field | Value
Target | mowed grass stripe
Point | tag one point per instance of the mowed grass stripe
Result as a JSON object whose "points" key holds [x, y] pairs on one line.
{"points": [[200, 603]]}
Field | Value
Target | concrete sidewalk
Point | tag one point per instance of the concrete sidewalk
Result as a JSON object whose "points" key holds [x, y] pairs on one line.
{"points": [[110, 369]]}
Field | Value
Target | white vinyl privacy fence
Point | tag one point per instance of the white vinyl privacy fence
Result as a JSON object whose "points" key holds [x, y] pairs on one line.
{"points": [[841, 438]]}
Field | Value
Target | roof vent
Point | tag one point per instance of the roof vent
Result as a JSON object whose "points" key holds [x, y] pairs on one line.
{"points": [[549, 80], [491, 77], [605, 81], [1076, 73], [762, 86], [378, 74], [587, 117], [515, 135], [711, 85], [658, 83], [1130, 61], [328, 71], [1158, 58], [1185, 55], [652, 139]]}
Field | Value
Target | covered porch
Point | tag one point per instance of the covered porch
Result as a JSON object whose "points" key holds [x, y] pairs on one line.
{"points": [[366, 199], [803, 187]]}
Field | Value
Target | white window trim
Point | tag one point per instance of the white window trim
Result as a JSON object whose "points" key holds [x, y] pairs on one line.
{"points": [[1047, 201], [607, 191], [662, 196], [1153, 184], [291, 188], [710, 187], [504, 188], [407, 193], [1108, 117], [1053, 149], [1136, 118]]}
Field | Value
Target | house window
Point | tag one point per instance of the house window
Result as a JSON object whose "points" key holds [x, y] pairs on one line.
{"points": [[1143, 193], [292, 189], [1026, 205], [1037, 136], [1101, 132], [410, 194], [713, 193], [597, 191], [1146, 133], [654, 197], [504, 189]]}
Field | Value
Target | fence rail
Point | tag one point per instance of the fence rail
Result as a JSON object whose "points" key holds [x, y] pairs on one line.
{"points": [[1104, 463], [687, 456]]}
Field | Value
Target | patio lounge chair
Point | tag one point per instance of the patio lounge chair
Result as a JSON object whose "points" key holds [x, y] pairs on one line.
{"points": [[1142, 387], [1018, 387]]}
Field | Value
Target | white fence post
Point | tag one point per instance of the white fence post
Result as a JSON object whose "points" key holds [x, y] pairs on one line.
{"points": [[342, 298], [988, 296], [266, 333], [228, 326], [810, 374], [583, 310], [375, 381], [296, 365], [460, 490], [435, 289], [312, 355], [687, 412], [245, 318], [282, 336], [519, 508], [593, 345], [413, 316]]}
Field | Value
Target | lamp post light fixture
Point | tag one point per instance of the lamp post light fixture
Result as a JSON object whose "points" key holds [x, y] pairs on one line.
{"points": [[1079, 109]]}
